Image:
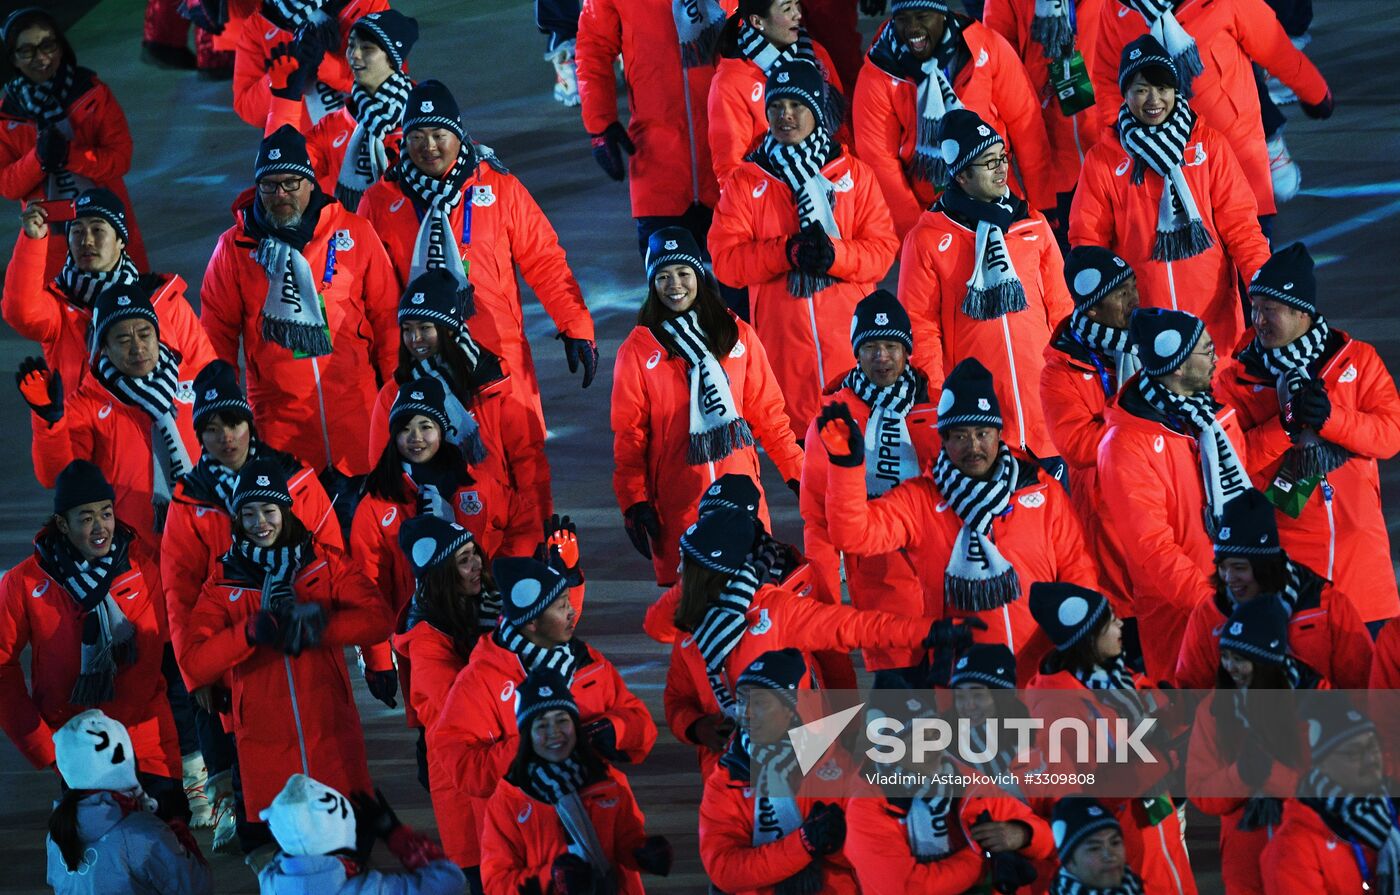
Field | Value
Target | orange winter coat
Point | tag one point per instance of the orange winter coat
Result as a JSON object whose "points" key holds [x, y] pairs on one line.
{"points": [[811, 337], [1110, 211], [1073, 398], [40, 311], [1229, 34], [671, 169], [993, 83], [938, 259], [199, 530], [514, 456], [1385, 675], [35, 611], [1038, 535], [327, 139], [499, 227], [521, 837], [312, 408], [780, 618], [1070, 136], [1154, 502], [1341, 532], [289, 715], [738, 115], [99, 152], [736, 866], [98, 426], [252, 90], [1306, 858], [651, 433], [888, 581], [877, 845]]}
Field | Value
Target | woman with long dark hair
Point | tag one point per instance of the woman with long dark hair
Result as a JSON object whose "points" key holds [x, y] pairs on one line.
{"points": [[563, 817], [692, 390]]}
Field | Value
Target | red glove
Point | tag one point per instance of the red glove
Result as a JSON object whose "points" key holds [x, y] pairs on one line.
{"points": [[412, 848]]}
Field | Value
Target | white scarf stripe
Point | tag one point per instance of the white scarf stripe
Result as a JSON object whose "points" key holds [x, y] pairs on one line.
{"points": [[717, 429], [1222, 473], [366, 157]]}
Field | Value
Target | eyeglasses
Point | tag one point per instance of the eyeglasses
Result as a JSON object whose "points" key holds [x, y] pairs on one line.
{"points": [[289, 186], [1208, 351], [48, 46], [992, 164]]}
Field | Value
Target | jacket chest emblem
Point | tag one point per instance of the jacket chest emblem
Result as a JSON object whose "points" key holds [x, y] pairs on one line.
{"points": [[1194, 155], [40, 589], [396, 204], [235, 594], [483, 196], [271, 34], [654, 359], [607, 803], [760, 189], [738, 350], [1159, 444], [1088, 377], [184, 391], [755, 96], [941, 507], [1349, 374], [1122, 168], [945, 242], [981, 58], [105, 412], [343, 241], [829, 771], [1033, 500], [388, 518], [507, 691], [524, 814], [763, 625], [469, 502], [340, 139], [845, 184]]}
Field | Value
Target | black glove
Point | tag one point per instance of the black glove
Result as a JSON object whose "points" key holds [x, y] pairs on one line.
{"points": [[953, 633], [206, 15], [602, 736], [302, 625], [1254, 764], [608, 148], [655, 856], [641, 522], [1311, 406], [872, 7], [383, 685], [1011, 871], [824, 830], [795, 486], [581, 350], [571, 875], [286, 73], [815, 251], [41, 388], [314, 42], [263, 629], [531, 886], [841, 435], [560, 548], [51, 146], [1321, 110], [373, 816]]}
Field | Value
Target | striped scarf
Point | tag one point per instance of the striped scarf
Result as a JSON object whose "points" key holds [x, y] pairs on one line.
{"points": [[1065, 884], [699, 24], [1112, 682], [435, 246], [978, 577], [47, 103], [108, 636], [565, 658], [463, 430], [559, 784], [1108, 342], [366, 157], [1181, 233], [889, 448], [1180, 46], [717, 429], [1053, 28], [1290, 365], [755, 47], [293, 14], [1358, 819], [1222, 473], [994, 288], [721, 629], [154, 394], [776, 813], [800, 167], [274, 569], [291, 314], [215, 477], [934, 78], [82, 287]]}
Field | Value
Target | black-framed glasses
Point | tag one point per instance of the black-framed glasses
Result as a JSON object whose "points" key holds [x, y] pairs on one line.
{"points": [[48, 46], [289, 186], [992, 164]]}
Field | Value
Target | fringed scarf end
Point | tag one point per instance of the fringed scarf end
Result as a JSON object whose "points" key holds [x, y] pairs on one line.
{"points": [[1182, 243], [716, 444], [299, 337]]}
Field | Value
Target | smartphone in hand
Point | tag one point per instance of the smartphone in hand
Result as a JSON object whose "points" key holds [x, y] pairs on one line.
{"points": [[59, 210]]}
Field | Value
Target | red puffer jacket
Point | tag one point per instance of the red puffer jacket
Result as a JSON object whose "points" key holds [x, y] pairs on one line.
{"points": [[779, 619], [289, 715], [1341, 532], [1306, 858], [1070, 136], [521, 837], [737, 866], [1324, 632], [934, 268], [514, 452], [671, 169], [993, 84], [888, 581], [1038, 535], [1155, 503], [499, 227], [877, 845], [1110, 211], [651, 433], [312, 408], [1230, 35], [809, 337], [659, 623], [199, 530], [252, 90], [475, 738], [35, 611], [39, 310], [99, 426], [99, 153], [738, 115], [326, 139], [1072, 396], [1385, 675]]}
